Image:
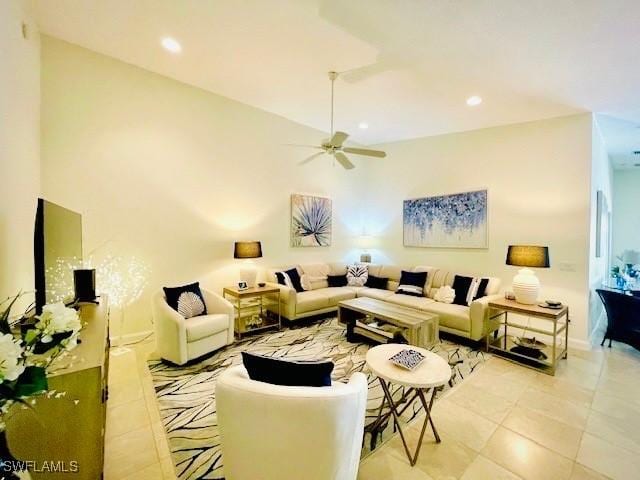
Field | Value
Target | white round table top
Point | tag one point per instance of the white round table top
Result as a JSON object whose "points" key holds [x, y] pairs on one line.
{"points": [[432, 372]]}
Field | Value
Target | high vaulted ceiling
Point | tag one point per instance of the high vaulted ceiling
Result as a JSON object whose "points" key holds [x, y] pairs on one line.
{"points": [[412, 63]]}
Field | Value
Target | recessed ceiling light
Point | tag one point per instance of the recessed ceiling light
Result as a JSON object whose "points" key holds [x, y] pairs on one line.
{"points": [[363, 125], [474, 100], [171, 44]]}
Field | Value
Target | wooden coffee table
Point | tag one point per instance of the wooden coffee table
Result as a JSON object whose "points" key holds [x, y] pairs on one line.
{"points": [[422, 327]]}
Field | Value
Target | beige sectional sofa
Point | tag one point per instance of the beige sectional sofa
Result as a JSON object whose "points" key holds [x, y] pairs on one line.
{"points": [[468, 321]]}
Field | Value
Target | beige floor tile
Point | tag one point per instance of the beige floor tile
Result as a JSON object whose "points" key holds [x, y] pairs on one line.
{"points": [[614, 406], [623, 433], [168, 470], [383, 465], [550, 433], [626, 390], [554, 407], [126, 417], [152, 472], [462, 424], [482, 402], [608, 459], [499, 384], [123, 392], [563, 389], [526, 458], [484, 469], [160, 436], [445, 460], [129, 453], [580, 472]]}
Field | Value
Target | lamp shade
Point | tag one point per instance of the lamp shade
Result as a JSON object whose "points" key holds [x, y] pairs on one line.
{"points": [[528, 256], [247, 250]]}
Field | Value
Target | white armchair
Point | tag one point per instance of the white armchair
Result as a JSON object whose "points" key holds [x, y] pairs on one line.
{"points": [[275, 432], [179, 340]]}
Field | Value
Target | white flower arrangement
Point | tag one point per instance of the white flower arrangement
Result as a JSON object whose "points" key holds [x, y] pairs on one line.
{"points": [[23, 370], [56, 318], [11, 358]]}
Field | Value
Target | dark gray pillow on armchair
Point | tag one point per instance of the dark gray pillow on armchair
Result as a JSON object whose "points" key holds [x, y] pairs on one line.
{"points": [[278, 371]]}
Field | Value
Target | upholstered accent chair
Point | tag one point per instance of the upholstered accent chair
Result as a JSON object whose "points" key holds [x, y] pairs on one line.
{"points": [[275, 432], [179, 340], [623, 317]]}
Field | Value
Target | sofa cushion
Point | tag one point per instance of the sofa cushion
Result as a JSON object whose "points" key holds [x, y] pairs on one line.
{"points": [[312, 300], [204, 326], [451, 315], [337, 294], [412, 283], [376, 282], [314, 275], [419, 303], [280, 371], [376, 293], [337, 280], [468, 289]]}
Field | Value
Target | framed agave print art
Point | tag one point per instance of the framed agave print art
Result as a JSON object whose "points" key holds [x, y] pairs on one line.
{"points": [[310, 221], [458, 220]]}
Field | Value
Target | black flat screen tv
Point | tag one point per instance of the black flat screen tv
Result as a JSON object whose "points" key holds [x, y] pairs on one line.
{"points": [[57, 243]]}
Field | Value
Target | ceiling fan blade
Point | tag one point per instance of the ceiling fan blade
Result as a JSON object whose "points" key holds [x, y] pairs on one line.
{"points": [[365, 151], [344, 161], [308, 159], [302, 145], [338, 139]]}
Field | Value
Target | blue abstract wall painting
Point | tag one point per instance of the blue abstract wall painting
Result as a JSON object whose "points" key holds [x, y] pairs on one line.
{"points": [[456, 221], [310, 221]]}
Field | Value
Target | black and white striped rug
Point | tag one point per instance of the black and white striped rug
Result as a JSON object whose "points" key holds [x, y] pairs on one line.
{"points": [[188, 406]]}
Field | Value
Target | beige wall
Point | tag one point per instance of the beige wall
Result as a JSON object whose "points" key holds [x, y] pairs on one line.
{"points": [[538, 177], [19, 147], [173, 175], [601, 180], [626, 211]]}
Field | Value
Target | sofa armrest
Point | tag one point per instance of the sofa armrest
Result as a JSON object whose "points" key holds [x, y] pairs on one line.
{"points": [[479, 315], [218, 304], [171, 331], [287, 294]]}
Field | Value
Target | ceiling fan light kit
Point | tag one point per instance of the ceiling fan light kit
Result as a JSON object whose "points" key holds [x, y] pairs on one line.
{"points": [[334, 145]]}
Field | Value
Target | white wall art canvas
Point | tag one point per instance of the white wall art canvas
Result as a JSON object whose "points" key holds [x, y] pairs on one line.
{"points": [[457, 221], [310, 221]]}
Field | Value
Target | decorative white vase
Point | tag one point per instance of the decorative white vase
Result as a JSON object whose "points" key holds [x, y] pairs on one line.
{"points": [[248, 274], [526, 287]]}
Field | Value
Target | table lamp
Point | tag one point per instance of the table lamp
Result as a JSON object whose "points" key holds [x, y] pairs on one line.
{"points": [[246, 250], [526, 285]]}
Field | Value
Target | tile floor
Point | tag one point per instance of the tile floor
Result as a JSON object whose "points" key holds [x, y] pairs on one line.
{"points": [[503, 422]]}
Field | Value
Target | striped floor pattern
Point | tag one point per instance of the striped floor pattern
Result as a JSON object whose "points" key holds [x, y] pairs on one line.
{"points": [[187, 402]]}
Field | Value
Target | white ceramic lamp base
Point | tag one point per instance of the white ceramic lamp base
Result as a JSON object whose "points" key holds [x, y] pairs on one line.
{"points": [[248, 274], [526, 287]]}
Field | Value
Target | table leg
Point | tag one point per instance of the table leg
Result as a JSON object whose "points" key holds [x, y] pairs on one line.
{"points": [[396, 418]]}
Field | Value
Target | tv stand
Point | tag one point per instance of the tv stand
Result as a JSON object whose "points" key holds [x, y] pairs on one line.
{"points": [[70, 428]]}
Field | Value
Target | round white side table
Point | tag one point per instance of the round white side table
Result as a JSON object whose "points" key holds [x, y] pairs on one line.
{"points": [[432, 373]]}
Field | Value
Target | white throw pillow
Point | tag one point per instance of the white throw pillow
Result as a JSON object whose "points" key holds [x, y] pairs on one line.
{"points": [[445, 294], [357, 275], [307, 281]]}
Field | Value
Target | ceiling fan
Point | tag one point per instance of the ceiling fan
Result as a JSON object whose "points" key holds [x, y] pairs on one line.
{"points": [[334, 145]]}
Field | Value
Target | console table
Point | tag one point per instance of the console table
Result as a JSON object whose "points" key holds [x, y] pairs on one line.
{"points": [[69, 430], [557, 333]]}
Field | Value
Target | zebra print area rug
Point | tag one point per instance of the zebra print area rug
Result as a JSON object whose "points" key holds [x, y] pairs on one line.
{"points": [[188, 407]]}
